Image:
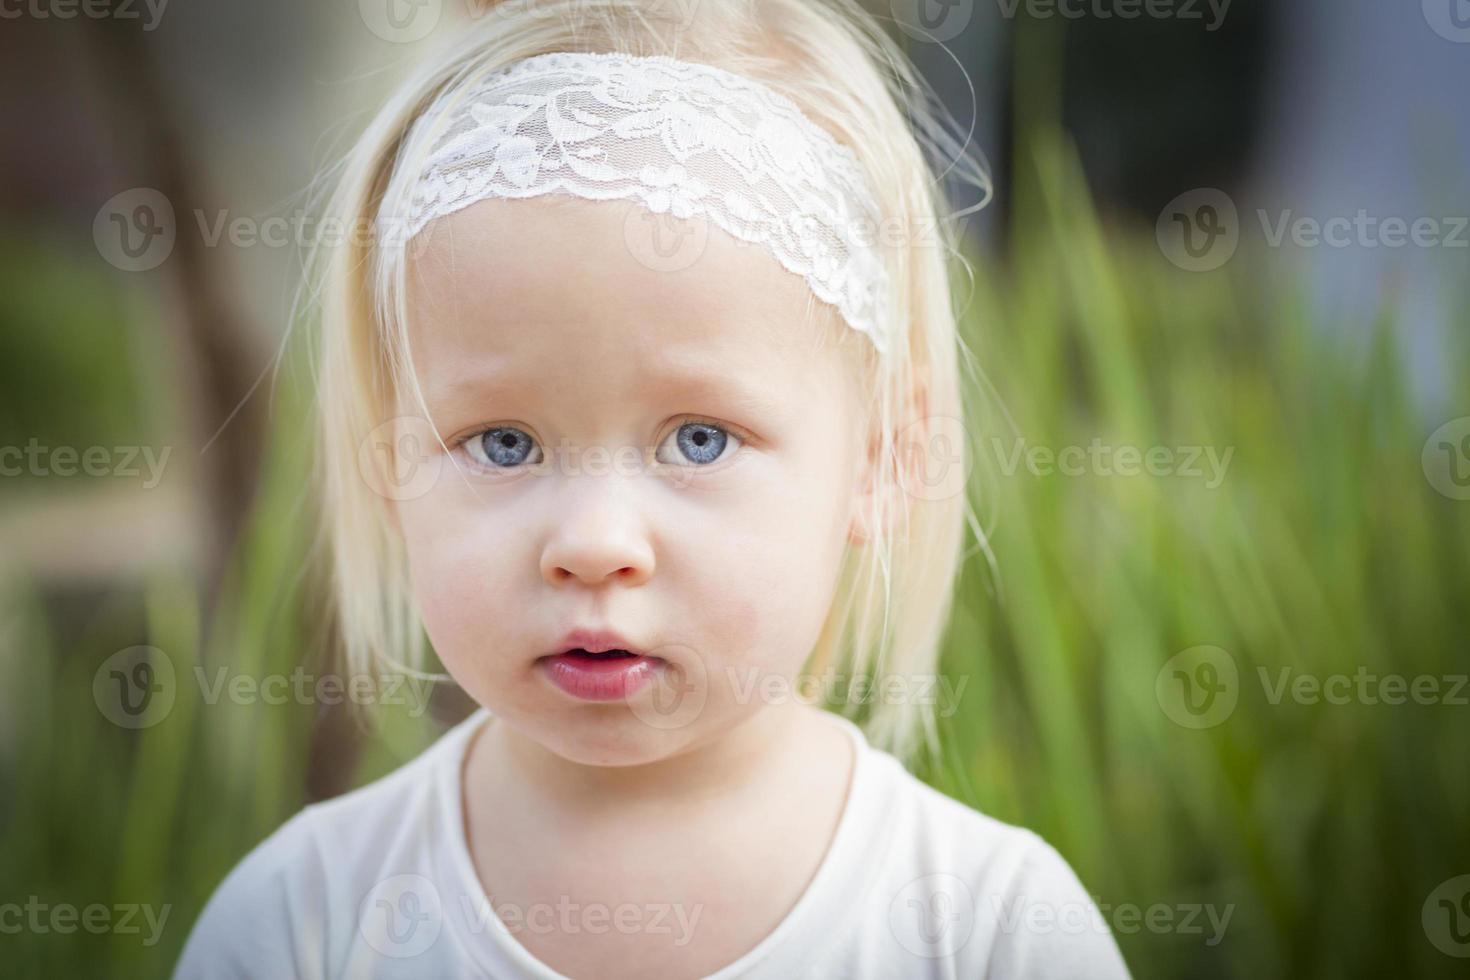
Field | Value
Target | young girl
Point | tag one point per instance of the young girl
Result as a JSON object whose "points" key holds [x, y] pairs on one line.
{"points": [[618, 401]]}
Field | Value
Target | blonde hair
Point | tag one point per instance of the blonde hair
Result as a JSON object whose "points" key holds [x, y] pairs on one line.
{"points": [[833, 59]]}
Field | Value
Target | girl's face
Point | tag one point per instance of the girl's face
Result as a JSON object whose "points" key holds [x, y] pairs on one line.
{"points": [[670, 454]]}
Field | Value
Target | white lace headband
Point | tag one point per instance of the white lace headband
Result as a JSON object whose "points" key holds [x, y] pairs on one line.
{"points": [[684, 138]]}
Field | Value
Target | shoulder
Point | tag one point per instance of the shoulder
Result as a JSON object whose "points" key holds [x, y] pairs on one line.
{"points": [[290, 906], [989, 897], [246, 926]]}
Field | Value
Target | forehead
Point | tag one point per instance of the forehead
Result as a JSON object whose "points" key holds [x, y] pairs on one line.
{"points": [[558, 275]]}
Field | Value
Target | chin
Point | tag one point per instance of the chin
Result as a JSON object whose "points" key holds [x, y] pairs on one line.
{"points": [[609, 735]]}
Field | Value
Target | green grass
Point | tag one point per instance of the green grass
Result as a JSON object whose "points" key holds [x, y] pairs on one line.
{"points": [[1323, 549]]}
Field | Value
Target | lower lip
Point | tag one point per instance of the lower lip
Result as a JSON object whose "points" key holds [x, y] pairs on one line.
{"points": [[599, 678]]}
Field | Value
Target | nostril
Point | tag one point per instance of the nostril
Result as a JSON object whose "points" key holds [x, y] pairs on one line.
{"points": [[559, 574]]}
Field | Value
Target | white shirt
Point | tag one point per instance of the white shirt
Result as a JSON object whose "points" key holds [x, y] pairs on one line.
{"points": [[379, 883]]}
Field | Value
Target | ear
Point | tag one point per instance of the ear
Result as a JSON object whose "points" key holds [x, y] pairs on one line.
{"points": [[874, 511]]}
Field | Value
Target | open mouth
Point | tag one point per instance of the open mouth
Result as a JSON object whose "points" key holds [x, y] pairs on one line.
{"points": [[603, 655], [604, 675]]}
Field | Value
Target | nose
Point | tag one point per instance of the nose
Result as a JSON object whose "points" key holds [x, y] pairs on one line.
{"points": [[599, 536]]}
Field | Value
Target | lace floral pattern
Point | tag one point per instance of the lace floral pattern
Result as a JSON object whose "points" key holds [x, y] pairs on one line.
{"points": [[684, 139]]}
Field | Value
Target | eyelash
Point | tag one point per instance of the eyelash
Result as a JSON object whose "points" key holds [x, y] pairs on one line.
{"points": [[739, 435]]}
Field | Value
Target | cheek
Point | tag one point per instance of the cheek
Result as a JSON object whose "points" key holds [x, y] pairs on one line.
{"points": [[767, 577], [454, 565]]}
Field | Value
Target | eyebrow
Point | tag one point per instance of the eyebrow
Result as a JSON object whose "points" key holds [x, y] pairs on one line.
{"points": [[674, 378]]}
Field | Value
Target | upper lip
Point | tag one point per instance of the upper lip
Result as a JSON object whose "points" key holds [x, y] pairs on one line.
{"points": [[594, 641]]}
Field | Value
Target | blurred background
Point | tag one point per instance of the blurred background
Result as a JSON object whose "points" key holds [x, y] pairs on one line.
{"points": [[1222, 452]]}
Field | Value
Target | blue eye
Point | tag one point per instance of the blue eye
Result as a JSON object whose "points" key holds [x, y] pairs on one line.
{"points": [[500, 447], [700, 443]]}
